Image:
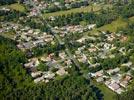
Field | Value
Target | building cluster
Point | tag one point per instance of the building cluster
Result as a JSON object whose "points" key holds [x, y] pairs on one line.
{"points": [[113, 79], [57, 66], [52, 6], [92, 50], [73, 29], [102, 47], [26, 37], [29, 38]]}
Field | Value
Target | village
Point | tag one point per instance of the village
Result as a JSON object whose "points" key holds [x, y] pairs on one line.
{"points": [[93, 52], [53, 6]]}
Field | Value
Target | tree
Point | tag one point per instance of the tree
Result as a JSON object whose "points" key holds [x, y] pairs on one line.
{"points": [[42, 67]]}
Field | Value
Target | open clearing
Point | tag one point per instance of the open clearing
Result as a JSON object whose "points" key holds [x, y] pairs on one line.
{"points": [[15, 6]]}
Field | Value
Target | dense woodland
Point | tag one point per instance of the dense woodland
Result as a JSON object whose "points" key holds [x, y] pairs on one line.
{"points": [[4, 2]]}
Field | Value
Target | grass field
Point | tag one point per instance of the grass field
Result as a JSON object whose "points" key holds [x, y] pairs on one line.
{"points": [[115, 25], [15, 6], [112, 27], [8, 35], [108, 94], [96, 7]]}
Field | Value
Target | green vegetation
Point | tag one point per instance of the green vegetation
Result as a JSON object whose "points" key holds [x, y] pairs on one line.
{"points": [[11, 15], [114, 26], [42, 67], [4, 2], [15, 83], [12, 74], [78, 10], [108, 94], [129, 30], [8, 34], [17, 7]]}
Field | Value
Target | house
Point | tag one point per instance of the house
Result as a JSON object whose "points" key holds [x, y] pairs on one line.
{"points": [[36, 74], [81, 40], [108, 82], [97, 74], [5, 9], [34, 62], [111, 71], [114, 86], [48, 75], [124, 84], [100, 79], [123, 50], [92, 49], [61, 72], [62, 55], [127, 78], [128, 64], [82, 59], [119, 91], [116, 78], [91, 26], [39, 79]]}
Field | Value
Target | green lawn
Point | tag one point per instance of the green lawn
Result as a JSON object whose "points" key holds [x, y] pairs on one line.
{"points": [[8, 35], [18, 7], [115, 25], [15, 6], [112, 27], [96, 7], [108, 94]]}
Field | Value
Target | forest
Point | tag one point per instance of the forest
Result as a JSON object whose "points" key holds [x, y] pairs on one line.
{"points": [[4, 2]]}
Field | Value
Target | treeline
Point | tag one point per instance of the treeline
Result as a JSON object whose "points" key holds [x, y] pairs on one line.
{"points": [[11, 15], [126, 10], [4, 2], [104, 16], [62, 6]]}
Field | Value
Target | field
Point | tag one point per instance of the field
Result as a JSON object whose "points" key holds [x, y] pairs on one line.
{"points": [[8, 35], [113, 26], [15, 6], [95, 8]]}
